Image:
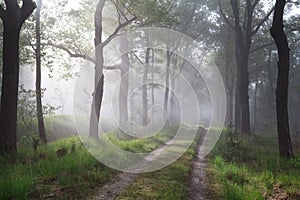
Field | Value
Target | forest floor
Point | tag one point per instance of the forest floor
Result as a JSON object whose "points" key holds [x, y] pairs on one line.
{"points": [[112, 189], [198, 177], [191, 186]]}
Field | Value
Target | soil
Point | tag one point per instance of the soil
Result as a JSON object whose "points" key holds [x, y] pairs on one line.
{"points": [[198, 177]]}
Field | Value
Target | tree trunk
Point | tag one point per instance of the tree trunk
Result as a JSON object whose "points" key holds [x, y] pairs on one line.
{"points": [[166, 99], [145, 84], [230, 105], [173, 113], [39, 105], [243, 42], [229, 81], [152, 81], [124, 87], [13, 18], [255, 104], [271, 93], [99, 77], [277, 32], [237, 112], [244, 96]]}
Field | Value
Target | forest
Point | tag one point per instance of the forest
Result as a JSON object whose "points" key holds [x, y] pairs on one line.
{"points": [[150, 99]]}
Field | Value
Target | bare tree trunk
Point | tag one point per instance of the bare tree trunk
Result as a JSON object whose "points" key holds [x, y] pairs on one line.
{"points": [[277, 32], [152, 81], [13, 18], [229, 80], [230, 105], [145, 84], [166, 99], [237, 111], [124, 87], [173, 101], [99, 76], [243, 45], [244, 96], [255, 103], [39, 105], [271, 93]]}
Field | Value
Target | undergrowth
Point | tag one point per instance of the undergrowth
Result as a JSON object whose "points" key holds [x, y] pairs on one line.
{"points": [[248, 167], [63, 169], [169, 183]]}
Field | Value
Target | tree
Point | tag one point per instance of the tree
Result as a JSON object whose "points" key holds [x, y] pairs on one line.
{"points": [[13, 18], [27, 111], [280, 38], [38, 90], [245, 28], [99, 64], [99, 77]]}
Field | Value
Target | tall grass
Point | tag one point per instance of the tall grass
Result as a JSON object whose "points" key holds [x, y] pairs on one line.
{"points": [[253, 172], [64, 168]]}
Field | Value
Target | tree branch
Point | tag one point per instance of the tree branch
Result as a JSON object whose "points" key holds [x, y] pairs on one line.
{"points": [[261, 47], [224, 16], [31, 45], [255, 4], [114, 67], [115, 33], [71, 54], [79, 55], [138, 58], [262, 21], [27, 8]]}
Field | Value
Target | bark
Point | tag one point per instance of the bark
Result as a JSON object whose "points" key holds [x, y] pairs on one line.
{"points": [[145, 84], [237, 111], [255, 103], [99, 77], [13, 18], [271, 92], [173, 116], [166, 99], [99, 66], [229, 81], [279, 36], [229, 116], [152, 81], [39, 105], [124, 87], [243, 45]]}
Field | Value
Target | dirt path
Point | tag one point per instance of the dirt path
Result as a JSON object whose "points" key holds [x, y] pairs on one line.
{"points": [[197, 183], [198, 180], [112, 189]]}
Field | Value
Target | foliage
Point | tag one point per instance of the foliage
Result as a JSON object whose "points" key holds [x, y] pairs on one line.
{"points": [[32, 140], [27, 109], [255, 173]]}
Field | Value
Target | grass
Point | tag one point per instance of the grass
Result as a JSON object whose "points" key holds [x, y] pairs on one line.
{"points": [[63, 169], [169, 183], [29, 174], [143, 145], [253, 171]]}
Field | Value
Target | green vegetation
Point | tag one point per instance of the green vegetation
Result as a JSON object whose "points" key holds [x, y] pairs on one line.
{"points": [[64, 168], [171, 182], [143, 145], [249, 168], [60, 169]]}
